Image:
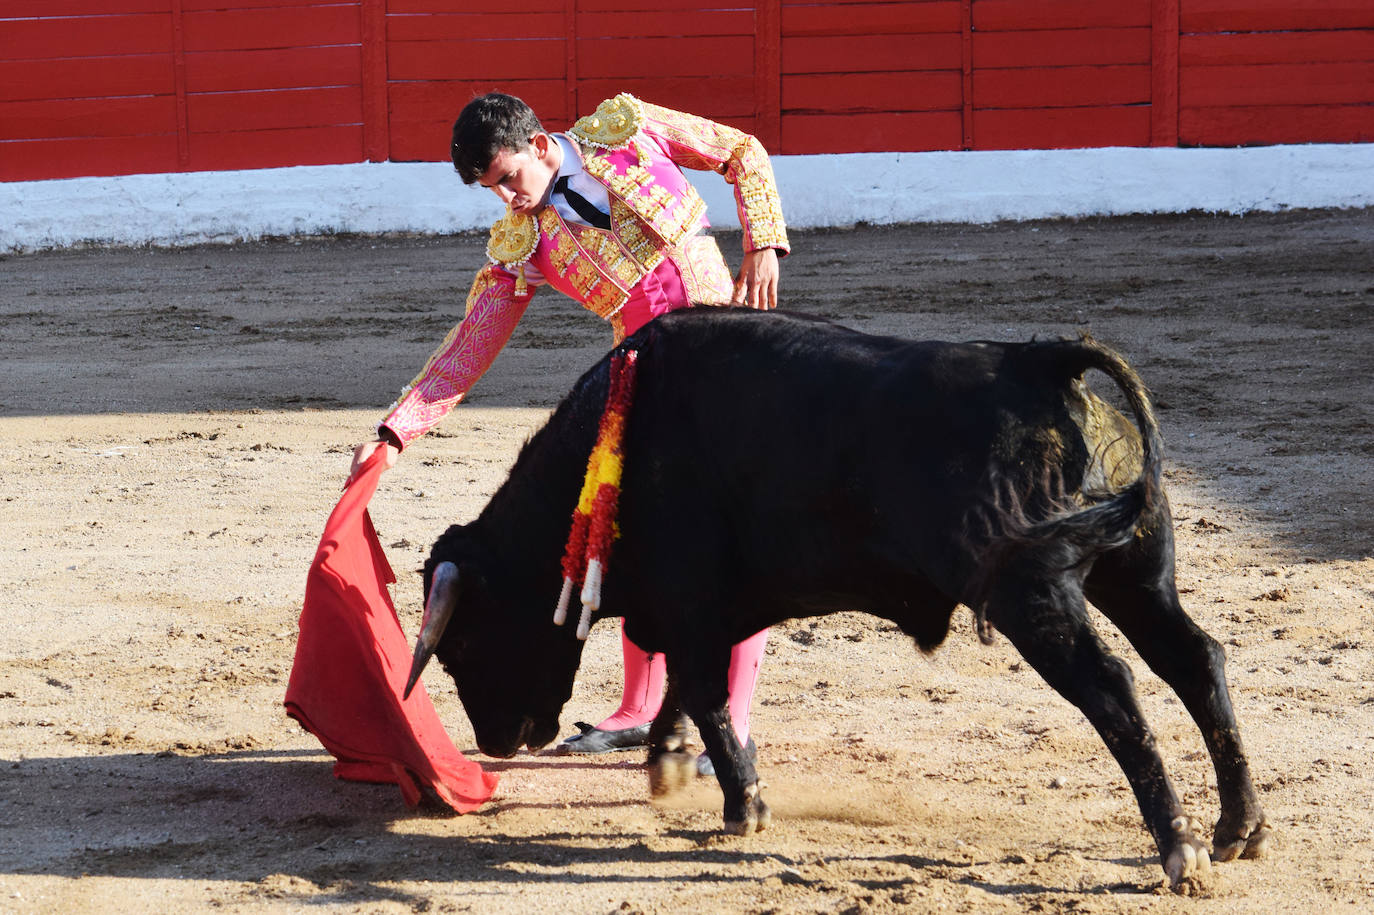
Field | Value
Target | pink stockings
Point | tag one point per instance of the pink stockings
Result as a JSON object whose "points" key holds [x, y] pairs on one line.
{"points": [[645, 672]]}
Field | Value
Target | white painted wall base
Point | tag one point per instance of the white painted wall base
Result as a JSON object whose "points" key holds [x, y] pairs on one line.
{"points": [[836, 190]]}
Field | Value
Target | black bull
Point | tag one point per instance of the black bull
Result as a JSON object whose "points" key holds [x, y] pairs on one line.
{"points": [[778, 467]]}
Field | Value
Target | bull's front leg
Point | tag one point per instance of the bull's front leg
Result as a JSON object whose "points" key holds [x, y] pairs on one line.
{"points": [[670, 762], [744, 809]]}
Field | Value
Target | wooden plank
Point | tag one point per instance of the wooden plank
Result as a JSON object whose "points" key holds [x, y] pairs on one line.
{"points": [[727, 97], [934, 90], [86, 77], [288, 27], [497, 60], [1061, 47], [1274, 15], [1004, 15], [873, 53], [202, 5], [714, 57], [1277, 48], [916, 131], [630, 8], [1062, 128], [36, 160], [663, 24], [468, 26], [77, 118], [48, 9], [279, 109], [1164, 70], [96, 36], [1277, 84], [438, 102], [1266, 124], [373, 59], [274, 148], [224, 71], [406, 7], [1061, 87], [767, 88], [826, 19]]}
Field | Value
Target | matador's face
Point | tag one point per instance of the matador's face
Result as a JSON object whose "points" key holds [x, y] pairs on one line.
{"points": [[523, 179]]}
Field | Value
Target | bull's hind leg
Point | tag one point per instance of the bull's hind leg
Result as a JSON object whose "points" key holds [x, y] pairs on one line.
{"points": [[1046, 619], [1135, 590]]}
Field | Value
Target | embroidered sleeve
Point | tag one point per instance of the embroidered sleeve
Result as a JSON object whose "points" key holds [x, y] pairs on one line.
{"points": [[493, 310], [694, 142]]}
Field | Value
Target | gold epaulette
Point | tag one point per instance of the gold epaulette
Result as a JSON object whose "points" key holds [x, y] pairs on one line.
{"points": [[512, 242], [613, 123]]}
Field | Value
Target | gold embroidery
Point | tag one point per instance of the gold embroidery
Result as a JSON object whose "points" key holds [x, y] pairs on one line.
{"points": [[513, 239], [613, 123]]}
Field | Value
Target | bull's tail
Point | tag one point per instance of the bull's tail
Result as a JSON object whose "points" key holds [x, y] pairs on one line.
{"points": [[1070, 535]]}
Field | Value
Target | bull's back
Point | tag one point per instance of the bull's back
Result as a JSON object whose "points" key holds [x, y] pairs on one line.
{"points": [[796, 444]]}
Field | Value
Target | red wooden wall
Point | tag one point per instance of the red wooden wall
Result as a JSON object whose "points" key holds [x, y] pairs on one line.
{"points": [[104, 87]]}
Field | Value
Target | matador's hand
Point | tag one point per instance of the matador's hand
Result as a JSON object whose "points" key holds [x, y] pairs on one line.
{"points": [[757, 283]]}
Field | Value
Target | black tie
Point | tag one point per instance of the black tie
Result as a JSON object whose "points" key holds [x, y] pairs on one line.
{"points": [[584, 207]]}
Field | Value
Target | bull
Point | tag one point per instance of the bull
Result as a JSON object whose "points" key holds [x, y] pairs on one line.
{"points": [[779, 467]]}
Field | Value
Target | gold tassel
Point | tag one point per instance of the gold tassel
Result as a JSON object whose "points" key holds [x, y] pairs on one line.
{"points": [[520, 287]]}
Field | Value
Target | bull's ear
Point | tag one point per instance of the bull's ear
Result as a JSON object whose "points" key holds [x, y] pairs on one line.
{"points": [[439, 606]]}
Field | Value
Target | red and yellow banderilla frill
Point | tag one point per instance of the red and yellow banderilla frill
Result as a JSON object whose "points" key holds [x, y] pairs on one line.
{"points": [[593, 521]]}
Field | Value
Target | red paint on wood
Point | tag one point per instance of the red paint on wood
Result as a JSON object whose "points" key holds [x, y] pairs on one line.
{"points": [[1277, 48], [1277, 124], [841, 133], [870, 53], [281, 109], [34, 160], [257, 148], [78, 118], [1164, 70], [999, 15], [287, 27], [966, 72], [847, 92], [1272, 15], [767, 74], [89, 77], [221, 71], [1062, 128], [832, 19], [467, 26], [1061, 87], [479, 60], [372, 60], [1278, 84], [726, 97], [97, 36], [666, 24], [712, 57], [1061, 47]]}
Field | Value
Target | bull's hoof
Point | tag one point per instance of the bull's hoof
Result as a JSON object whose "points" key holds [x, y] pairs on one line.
{"points": [[1188, 866], [757, 817], [1251, 844], [670, 772]]}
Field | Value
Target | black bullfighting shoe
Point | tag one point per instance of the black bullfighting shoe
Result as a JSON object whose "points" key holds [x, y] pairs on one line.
{"points": [[594, 740], [707, 769]]}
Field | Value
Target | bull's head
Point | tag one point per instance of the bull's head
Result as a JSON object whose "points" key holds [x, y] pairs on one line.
{"points": [[491, 631]]}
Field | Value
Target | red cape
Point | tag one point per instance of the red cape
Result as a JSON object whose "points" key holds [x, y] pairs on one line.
{"points": [[351, 665]]}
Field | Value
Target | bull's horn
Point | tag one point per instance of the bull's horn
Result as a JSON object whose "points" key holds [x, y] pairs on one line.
{"points": [[443, 597]]}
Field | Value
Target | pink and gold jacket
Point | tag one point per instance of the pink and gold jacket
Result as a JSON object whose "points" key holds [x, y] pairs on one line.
{"points": [[637, 150]]}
